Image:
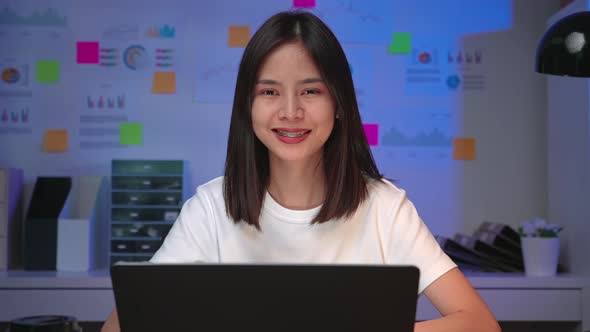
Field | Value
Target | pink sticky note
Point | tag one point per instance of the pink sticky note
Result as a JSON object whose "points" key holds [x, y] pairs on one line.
{"points": [[372, 133], [304, 3], [87, 52]]}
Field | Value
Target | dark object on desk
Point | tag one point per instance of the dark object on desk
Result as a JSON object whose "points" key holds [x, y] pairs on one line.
{"points": [[479, 261], [491, 253], [265, 298], [500, 242], [467, 259], [491, 241], [501, 229], [564, 49], [45, 324], [493, 247], [40, 227]]}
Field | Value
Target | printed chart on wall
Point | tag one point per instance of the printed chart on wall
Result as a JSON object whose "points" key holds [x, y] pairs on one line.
{"points": [[28, 64], [416, 134], [107, 111], [435, 70], [15, 97], [134, 56]]}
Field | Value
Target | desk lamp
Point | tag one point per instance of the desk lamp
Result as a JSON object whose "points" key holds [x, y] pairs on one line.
{"points": [[564, 50]]}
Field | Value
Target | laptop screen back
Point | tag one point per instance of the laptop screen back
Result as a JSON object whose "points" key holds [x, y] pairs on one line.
{"points": [[198, 297]]}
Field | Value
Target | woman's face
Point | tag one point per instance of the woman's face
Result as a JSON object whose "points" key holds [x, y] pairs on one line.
{"points": [[292, 110]]}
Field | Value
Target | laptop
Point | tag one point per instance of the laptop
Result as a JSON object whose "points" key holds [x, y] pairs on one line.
{"points": [[264, 298]]}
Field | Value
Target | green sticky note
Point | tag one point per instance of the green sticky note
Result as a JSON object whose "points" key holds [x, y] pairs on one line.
{"points": [[130, 133], [47, 71], [401, 44]]}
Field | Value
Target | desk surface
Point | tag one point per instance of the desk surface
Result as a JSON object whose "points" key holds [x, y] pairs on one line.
{"points": [[101, 280]]}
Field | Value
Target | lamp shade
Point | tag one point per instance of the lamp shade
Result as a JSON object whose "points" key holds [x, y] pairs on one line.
{"points": [[565, 48]]}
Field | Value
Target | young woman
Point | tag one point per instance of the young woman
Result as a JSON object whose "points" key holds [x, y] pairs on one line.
{"points": [[301, 185]]}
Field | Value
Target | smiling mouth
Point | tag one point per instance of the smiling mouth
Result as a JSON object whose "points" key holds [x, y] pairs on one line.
{"points": [[291, 134]]}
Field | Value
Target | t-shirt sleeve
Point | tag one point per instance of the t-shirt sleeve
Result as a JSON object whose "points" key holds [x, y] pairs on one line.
{"points": [[192, 236], [412, 243]]}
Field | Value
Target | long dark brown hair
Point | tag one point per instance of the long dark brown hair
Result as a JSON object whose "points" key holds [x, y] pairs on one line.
{"points": [[347, 158]]}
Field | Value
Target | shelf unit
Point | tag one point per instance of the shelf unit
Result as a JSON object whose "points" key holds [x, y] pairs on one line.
{"points": [[146, 198]]}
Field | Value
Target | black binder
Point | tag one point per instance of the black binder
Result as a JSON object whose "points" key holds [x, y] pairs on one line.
{"points": [[499, 241], [40, 228], [502, 229], [470, 259], [491, 253]]}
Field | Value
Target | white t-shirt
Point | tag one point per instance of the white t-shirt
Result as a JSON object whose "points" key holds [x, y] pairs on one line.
{"points": [[385, 229]]}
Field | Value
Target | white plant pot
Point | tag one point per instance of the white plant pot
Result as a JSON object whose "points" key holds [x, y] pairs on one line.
{"points": [[540, 255]]}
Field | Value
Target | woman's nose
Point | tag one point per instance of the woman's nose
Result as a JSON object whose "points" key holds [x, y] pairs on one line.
{"points": [[291, 109]]}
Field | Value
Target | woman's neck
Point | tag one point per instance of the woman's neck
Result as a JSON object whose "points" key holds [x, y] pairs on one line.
{"points": [[297, 186]]}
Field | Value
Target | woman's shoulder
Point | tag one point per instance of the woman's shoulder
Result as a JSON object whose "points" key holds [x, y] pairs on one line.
{"points": [[212, 189], [213, 184], [205, 196], [385, 190]]}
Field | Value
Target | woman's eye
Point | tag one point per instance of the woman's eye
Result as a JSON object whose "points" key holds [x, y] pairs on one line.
{"points": [[268, 93], [310, 92]]}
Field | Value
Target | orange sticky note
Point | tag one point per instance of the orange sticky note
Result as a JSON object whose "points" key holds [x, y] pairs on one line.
{"points": [[464, 148], [55, 140], [164, 82], [239, 36]]}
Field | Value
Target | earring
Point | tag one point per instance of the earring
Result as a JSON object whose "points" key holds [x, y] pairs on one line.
{"points": [[337, 115]]}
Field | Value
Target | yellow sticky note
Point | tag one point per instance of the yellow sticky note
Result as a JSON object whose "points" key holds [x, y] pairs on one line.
{"points": [[164, 82], [239, 36], [55, 140], [464, 148]]}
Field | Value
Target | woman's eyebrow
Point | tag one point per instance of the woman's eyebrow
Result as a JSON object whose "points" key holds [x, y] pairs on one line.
{"points": [[304, 81], [267, 81], [311, 80]]}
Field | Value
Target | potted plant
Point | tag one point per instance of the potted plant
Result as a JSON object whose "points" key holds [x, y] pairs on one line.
{"points": [[540, 247]]}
